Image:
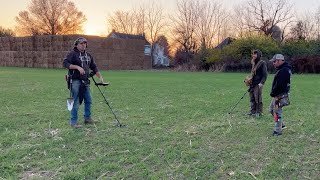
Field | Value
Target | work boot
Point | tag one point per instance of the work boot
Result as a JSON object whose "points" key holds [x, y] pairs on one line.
{"points": [[89, 121], [259, 114], [76, 126], [275, 133], [284, 127]]}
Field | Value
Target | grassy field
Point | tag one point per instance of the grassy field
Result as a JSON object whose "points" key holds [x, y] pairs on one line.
{"points": [[178, 127]]}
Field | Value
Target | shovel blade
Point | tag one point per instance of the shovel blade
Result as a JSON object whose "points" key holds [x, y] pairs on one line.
{"points": [[70, 102]]}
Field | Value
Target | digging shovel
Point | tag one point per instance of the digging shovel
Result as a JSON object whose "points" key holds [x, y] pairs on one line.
{"points": [[70, 103], [70, 100]]}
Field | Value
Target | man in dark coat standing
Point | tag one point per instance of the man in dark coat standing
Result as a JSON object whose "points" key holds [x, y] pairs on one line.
{"points": [[280, 91], [80, 62], [259, 76]]}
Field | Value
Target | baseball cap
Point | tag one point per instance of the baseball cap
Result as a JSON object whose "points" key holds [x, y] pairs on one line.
{"points": [[277, 57], [80, 40]]}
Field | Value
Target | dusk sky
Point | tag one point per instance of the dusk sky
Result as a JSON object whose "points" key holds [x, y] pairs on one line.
{"points": [[97, 11]]}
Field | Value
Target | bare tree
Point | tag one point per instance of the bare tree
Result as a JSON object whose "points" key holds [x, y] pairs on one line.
{"points": [[6, 32], [147, 19], [264, 15], [50, 17], [317, 23], [238, 23], [155, 21], [129, 22], [185, 23], [123, 22], [210, 24], [298, 32], [139, 18], [306, 27]]}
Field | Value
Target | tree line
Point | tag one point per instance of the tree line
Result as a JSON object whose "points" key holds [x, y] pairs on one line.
{"points": [[193, 29]]}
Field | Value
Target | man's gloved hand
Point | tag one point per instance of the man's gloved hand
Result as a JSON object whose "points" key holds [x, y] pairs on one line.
{"points": [[260, 85]]}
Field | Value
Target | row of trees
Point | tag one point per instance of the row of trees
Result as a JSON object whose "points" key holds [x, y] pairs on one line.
{"points": [[193, 23], [6, 32], [193, 28], [303, 55]]}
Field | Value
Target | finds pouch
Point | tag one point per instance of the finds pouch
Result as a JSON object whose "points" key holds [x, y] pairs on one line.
{"points": [[283, 100], [248, 81]]}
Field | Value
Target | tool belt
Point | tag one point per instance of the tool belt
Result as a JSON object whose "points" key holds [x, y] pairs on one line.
{"points": [[282, 100]]}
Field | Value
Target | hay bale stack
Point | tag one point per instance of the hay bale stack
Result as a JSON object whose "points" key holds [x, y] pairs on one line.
{"points": [[19, 42], [49, 51], [11, 55], [36, 59], [46, 43], [68, 42], [2, 59], [28, 61], [13, 44], [26, 44], [37, 43], [5, 44], [19, 59], [57, 43], [45, 59]]}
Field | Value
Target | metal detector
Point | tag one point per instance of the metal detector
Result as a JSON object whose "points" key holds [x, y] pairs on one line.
{"points": [[239, 101], [105, 99]]}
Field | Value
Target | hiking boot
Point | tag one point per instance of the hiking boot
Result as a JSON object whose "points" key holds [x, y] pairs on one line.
{"points": [[76, 126], [89, 121], [275, 133]]}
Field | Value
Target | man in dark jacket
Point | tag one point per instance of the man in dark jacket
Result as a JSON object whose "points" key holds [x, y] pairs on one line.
{"points": [[259, 76], [280, 91], [79, 63]]}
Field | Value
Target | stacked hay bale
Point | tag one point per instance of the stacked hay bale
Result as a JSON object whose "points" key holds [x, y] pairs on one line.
{"points": [[49, 51]]}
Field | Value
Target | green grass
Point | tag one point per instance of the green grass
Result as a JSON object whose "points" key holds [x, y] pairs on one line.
{"points": [[178, 128]]}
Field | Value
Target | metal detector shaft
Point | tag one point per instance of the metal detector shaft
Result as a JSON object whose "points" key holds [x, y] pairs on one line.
{"points": [[105, 99], [238, 101]]}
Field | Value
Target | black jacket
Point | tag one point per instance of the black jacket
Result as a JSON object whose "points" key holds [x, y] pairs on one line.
{"points": [[82, 59], [281, 81], [261, 74]]}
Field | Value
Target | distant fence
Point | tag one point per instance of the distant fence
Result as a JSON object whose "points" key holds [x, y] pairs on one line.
{"points": [[49, 51]]}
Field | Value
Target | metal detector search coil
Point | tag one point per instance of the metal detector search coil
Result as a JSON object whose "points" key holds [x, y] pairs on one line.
{"points": [[101, 84]]}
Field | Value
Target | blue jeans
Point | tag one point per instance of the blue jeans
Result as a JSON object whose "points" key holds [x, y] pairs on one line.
{"points": [[87, 102]]}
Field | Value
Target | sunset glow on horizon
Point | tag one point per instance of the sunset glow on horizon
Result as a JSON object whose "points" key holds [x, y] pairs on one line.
{"points": [[98, 11], [96, 30]]}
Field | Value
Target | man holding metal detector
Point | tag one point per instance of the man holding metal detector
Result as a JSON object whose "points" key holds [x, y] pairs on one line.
{"points": [[80, 62], [280, 91], [255, 83]]}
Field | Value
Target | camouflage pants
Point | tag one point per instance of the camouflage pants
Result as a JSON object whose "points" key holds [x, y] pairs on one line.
{"points": [[255, 95], [276, 112]]}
